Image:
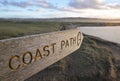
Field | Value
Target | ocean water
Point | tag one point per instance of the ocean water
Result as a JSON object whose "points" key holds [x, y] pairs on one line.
{"points": [[110, 33]]}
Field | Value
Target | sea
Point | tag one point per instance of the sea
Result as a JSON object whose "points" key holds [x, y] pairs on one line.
{"points": [[110, 33]]}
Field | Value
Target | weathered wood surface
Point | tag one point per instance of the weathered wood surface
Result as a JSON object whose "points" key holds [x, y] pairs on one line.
{"points": [[22, 57]]}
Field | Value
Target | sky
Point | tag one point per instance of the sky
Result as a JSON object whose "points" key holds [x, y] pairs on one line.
{"points": [[108, 9]]}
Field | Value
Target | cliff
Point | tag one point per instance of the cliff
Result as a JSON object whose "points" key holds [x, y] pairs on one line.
{"points": [[96, 60]]}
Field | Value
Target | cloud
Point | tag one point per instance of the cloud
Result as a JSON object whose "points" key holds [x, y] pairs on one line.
{"points": [[81, 4], [43, 4], [88, 8], [8, 10], [14, 3], [74, 8], [24, 4], [113, 5], [40, 10], [91, 13], [92, 4]]}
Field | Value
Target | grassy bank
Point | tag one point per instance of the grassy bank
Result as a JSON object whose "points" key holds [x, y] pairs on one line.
{"points": [[10, 29], [90, 63]]}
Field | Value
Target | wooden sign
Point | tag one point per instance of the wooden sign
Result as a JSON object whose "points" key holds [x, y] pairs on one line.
{"points": [[22, 57]]}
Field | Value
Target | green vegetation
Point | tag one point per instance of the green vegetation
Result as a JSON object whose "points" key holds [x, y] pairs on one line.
{"points": [[16, 28], [13, 29]]}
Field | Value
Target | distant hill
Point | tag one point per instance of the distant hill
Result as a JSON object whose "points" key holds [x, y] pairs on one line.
{"points": [[66, 19], [19, 27]]}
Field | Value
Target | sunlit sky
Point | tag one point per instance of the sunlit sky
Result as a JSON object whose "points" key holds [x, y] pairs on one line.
{"points": [[59, 8]]}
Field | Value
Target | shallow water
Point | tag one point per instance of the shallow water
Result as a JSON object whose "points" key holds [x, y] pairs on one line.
{"points": [[110, 33]]}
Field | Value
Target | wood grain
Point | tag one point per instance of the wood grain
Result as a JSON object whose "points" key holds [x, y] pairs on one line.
{"points": [[22, 57]]}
